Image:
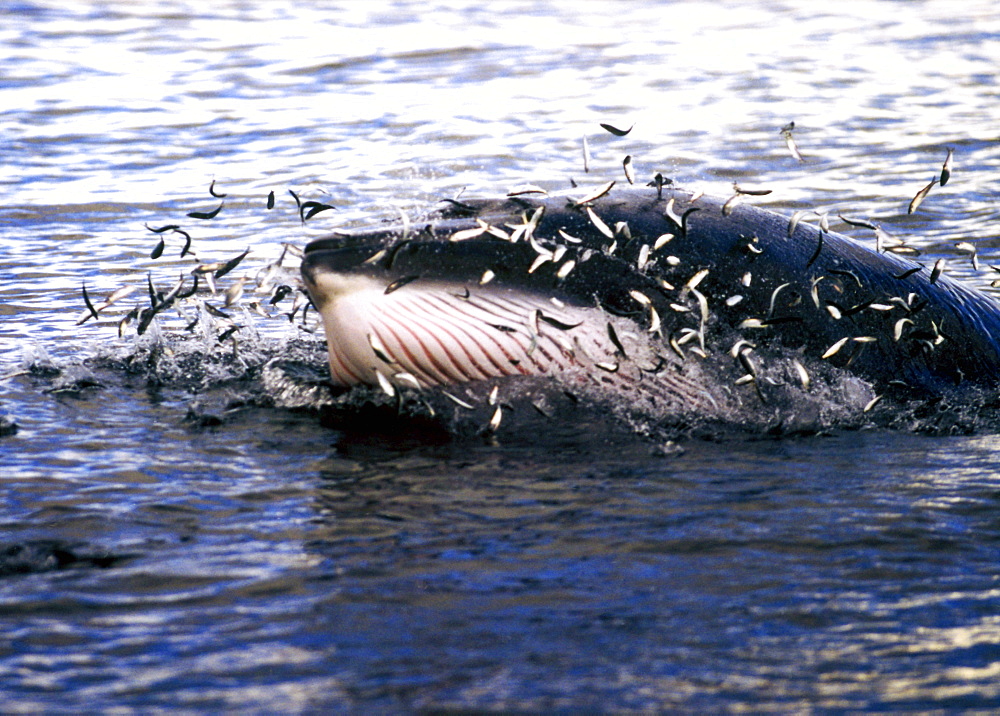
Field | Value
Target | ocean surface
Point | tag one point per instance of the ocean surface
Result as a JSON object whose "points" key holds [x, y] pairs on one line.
{"points": [[170, 544]]}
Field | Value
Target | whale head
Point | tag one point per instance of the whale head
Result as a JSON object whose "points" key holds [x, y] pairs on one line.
{"points": [[697, 304]]}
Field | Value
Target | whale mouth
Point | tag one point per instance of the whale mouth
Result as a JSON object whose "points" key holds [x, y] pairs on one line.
{"points": [[435, 332], [415, 313]]}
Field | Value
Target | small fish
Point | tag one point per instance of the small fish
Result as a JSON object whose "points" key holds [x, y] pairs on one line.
{"points": [[385, 385], [920, 196], [270, 199], [793, 148], [858, 308], [487, 276], [556, 323], [661, 362], [946, 169], [696, 279], [279, 293], [967, 247], [660, 181], [835, 348], [379, 349], [936, 271], [162, 229], [685, 216], [399, 283], [609, 367], [881, 237], [228, 333], [309, 209], [565, 269], [157, 251], [407, 378], [231, 264], [662, 241], [615, 131], [193, 291], [461, 208], [730, 204], [206, 214], [600, 225], [613, 335], [90, 306], [676, 348], [117, 295], [643, 258], [586, 154], [774, 297], [851, 274], [215, 311], [740, 345], [780, 321], [640, 297], [654, 322], [750, 192], [466, 234], [747, 364], [872, 403], [526, 189], [234, 293], [211, 190], [907, 273], [595, 194], [153, 298], [814, 289], [570, 239], [495, 420], [824, 221], [819, 248], [491, 399], [834, 312], [803, 374], [860, 223], [796, 218], [457, 401], [129, 317], [539, 260], [897, 329], [627, 166], [298, 202], [187, 242]]}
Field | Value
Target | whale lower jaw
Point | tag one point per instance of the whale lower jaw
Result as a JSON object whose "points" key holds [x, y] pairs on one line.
{"points": [[431, 334]]}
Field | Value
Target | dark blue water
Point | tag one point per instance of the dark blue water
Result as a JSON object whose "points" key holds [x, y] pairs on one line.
{"points": [[169, 540]]}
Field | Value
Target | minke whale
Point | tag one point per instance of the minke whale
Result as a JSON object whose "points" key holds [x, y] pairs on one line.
{"points": [[696, 304]]}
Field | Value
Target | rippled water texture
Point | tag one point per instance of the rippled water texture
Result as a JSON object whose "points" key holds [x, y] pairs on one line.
{"points": [[164, 548]]}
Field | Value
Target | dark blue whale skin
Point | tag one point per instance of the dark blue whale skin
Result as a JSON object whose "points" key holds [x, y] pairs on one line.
{"points": [[949, 342]]}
